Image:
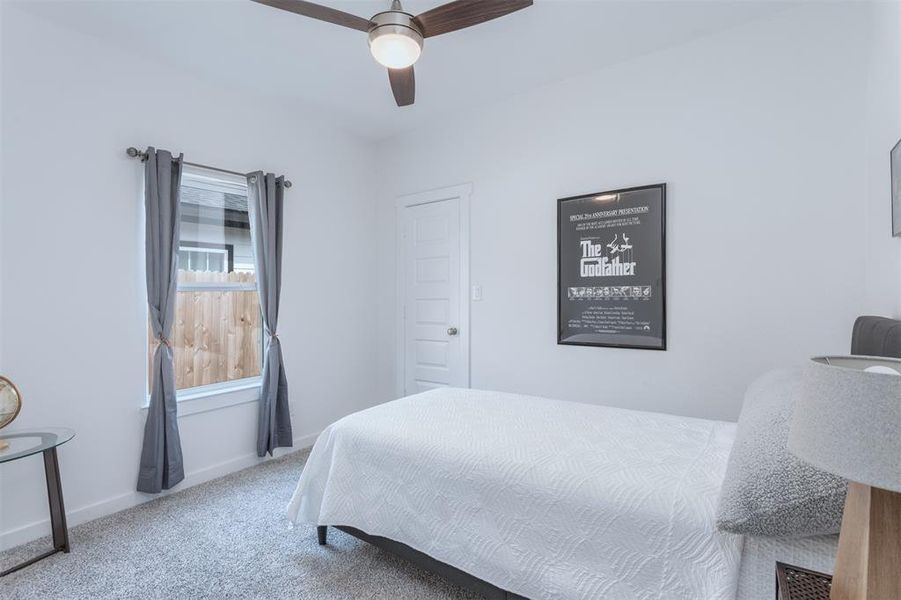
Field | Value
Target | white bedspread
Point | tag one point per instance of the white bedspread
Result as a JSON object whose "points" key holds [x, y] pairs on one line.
{"points": [[544, 498]]}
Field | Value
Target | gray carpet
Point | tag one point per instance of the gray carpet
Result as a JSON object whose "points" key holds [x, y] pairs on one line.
{"points": [[227, 538]]}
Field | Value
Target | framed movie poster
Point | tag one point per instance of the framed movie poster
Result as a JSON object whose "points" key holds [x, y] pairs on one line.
{"points": [[896, 189], [611, 269]]}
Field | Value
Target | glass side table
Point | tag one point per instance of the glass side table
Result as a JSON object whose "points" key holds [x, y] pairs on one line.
{"points": [[28, 443]]}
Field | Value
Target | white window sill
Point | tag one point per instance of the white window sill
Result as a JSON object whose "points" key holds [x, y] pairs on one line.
{"points": [[215, 397]]}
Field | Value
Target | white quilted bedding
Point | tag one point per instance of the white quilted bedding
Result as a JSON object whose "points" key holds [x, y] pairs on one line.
{"points": [[544, 498]]}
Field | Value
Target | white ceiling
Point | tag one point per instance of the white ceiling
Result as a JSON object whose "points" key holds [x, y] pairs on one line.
{"points": [[270, 52]]}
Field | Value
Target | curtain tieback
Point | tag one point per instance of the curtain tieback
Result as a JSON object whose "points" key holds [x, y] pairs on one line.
{"points": [[273, 335], [163, 341]]}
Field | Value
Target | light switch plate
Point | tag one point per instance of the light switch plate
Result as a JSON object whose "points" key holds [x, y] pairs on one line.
{"points": [[476, 293]]}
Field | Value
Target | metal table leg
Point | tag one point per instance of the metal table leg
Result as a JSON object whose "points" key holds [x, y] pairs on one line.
{"points": [[55, 496], [57, 512]]}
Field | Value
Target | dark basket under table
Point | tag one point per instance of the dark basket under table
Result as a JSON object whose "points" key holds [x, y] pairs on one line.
{"points": [[795, 583]]}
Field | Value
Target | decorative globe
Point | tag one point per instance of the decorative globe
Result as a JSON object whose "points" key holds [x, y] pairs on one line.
{"points": [[10, 402]]}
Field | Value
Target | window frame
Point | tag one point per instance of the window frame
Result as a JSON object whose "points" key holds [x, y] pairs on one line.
{"points": [[226, 250], [204, 398]]}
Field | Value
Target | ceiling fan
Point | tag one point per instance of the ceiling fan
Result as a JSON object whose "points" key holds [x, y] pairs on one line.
{"points": [[396, 36]]}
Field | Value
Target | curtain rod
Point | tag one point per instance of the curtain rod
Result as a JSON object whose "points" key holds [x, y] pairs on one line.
{"points": [[135, 153]]}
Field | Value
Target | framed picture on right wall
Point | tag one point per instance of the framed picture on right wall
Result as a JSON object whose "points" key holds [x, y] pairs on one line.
{"points": [[611, 269], [896, 189]]}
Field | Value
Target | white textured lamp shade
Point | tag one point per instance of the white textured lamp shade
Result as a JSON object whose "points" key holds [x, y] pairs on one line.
{"points": [[848, 419]]}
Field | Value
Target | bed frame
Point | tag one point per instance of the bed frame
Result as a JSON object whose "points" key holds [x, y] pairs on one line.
{"points": [[871, 336], [424, 561]]}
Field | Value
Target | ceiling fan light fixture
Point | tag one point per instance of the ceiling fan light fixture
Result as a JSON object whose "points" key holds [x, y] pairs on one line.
{"points": [[394, 41], [397, 49], [395, 36]]}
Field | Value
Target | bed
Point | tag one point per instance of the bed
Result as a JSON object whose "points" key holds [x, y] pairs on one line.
{"points": [[515, 496]]}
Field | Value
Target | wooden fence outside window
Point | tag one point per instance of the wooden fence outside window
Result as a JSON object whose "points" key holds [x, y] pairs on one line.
{"points": [[218, 333]]}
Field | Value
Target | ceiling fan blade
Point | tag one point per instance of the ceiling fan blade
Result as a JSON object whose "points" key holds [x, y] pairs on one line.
{"points": [[465, 13], [317, 11], [403, 84]]}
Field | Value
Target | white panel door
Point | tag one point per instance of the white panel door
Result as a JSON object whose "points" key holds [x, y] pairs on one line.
{"points": [[433, 338]]}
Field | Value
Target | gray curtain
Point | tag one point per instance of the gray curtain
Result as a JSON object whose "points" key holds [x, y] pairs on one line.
{"points": [[161, 460], [265, 199]]}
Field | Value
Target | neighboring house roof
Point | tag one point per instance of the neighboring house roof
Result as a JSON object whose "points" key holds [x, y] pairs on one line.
{"points": [[211, 199]]}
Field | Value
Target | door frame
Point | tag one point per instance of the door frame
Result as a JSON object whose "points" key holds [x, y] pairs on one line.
{"points": [[462, 192]]}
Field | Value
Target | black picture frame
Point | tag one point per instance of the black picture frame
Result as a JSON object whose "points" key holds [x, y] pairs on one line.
{"points": [[657, 230], [895, 164]]}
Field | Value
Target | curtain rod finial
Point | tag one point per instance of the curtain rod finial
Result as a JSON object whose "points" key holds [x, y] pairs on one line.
{"points": [[135, 153]]}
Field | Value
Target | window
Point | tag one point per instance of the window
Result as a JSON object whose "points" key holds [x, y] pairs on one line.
{"points": [[217, 337], [200, 256]]}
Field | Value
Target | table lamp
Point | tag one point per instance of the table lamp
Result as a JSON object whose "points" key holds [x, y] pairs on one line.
{"points": [[847, 421]]}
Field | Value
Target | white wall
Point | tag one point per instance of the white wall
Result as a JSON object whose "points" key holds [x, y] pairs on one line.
{"points": [[758, 132], [74, 334], [883, 128]]}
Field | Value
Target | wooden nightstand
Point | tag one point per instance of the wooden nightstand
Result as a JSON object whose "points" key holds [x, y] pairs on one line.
{"points": [[795, 583]]}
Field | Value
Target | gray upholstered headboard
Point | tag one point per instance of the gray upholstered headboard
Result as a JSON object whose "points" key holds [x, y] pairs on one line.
{"points": [[876, 336]]}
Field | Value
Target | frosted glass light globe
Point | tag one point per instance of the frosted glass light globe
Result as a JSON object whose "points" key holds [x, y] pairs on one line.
{"points": [[395, 47]]}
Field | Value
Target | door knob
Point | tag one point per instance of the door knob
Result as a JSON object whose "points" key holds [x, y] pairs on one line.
{"points": [[451, 331]]}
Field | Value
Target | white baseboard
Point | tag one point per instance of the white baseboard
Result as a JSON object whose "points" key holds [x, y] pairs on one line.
{"points": [[32, 531]]}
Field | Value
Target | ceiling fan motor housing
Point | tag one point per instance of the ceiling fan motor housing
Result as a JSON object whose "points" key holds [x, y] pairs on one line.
{"points": [[394, 22]]}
